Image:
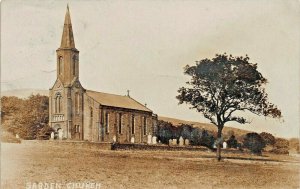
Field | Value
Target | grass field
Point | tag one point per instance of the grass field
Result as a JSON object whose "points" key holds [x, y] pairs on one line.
{"points": [[29, 163]]}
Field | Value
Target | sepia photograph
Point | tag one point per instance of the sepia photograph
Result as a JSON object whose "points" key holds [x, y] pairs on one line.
{"points": [[171, 94]]}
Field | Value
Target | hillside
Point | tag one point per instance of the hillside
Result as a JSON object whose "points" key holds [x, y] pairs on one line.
{"points": [[24, 93], [206, 126]]}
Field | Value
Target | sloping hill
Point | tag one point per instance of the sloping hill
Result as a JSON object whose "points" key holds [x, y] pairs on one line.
{"points": [[206, 126], [24, 93]]}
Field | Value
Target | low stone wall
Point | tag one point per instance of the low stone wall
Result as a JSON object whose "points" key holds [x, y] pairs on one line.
{"points": [[75, 144], [118, 146]]}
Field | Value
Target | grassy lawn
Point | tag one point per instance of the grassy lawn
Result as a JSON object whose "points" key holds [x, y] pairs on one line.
{"points": [[23, 163]]}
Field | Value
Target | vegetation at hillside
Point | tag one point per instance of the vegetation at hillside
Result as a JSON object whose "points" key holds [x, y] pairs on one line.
{"points": [[196, 136], [28, 118], [254, 142]]}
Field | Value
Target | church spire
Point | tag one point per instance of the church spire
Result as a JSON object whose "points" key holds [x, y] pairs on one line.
{"points": [[67, 40]]}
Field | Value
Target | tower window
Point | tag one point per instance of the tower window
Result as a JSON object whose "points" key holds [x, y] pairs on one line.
{"points": [[60, 65], [74, 65]]}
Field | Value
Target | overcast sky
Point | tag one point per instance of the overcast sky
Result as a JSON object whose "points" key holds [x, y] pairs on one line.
{"points": [[144, 45]]}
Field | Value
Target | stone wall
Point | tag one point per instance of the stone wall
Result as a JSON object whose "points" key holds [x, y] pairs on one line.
{"points": [[119, 146]]}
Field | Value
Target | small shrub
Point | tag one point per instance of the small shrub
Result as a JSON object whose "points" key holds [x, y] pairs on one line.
{"points": [[254, 142], [165, 131], [202, 137], [268, 138], [281, 146], [232, 142], [186, 131]]}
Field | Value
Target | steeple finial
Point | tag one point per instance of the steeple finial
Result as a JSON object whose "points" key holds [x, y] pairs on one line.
{"points": [[67, 40]]}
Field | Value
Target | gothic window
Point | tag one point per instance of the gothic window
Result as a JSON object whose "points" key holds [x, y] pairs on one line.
{"points": [[60, 65], [132, 124], [58, 103], [91, 116], [77, 100], [145, 125], [77, 128], [74, 65], [91, 113], [55, 104], [120, 123], [107, 122]]}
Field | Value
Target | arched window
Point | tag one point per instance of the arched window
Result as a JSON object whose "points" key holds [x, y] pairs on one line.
{"points": [[145, 126], [77, 128], [107, 122], [91, 117], [132, 124], [58, 103], [74, 65], [60, 65], [91, 112], [120, 122], [77, 100]]}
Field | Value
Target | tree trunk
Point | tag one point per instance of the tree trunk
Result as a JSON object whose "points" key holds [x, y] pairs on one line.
{"points": [[219, 143]]}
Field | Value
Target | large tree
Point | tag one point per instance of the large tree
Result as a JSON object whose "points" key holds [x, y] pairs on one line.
{"points": [[224, 85]]}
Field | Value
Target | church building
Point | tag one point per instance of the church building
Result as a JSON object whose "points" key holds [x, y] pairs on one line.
{"points": [[80, 114]]}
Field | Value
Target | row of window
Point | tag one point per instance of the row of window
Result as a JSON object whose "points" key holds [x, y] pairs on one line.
{"points": [[120, 123], [58, 103]]}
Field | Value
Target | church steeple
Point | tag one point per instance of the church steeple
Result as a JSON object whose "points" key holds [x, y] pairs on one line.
{"points": [[67, 54], [67, 40]]}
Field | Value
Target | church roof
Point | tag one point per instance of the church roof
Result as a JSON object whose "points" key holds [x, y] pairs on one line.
{"points": [[67, 40], [117, 101]]}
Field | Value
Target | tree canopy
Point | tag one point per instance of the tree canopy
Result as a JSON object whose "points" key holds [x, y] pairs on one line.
{"points": [[221, 86]]}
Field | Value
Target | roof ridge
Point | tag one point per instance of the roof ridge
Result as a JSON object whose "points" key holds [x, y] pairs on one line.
{"points": [[112, 100], [106, 93]]}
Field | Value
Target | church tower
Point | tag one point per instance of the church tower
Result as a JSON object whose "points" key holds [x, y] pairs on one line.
{"points": [[67, 94], [67, 54]]}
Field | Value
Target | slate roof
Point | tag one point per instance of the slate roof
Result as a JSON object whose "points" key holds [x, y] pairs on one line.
{"points": [[117, 101]]}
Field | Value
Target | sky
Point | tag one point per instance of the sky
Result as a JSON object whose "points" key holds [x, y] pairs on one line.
{"points": [[142, 46]]}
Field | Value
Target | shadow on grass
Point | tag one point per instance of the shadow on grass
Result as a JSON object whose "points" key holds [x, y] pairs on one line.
{"points": [[252, 159]]}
